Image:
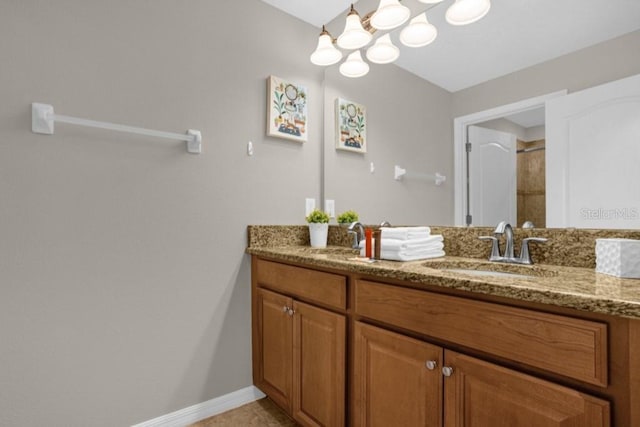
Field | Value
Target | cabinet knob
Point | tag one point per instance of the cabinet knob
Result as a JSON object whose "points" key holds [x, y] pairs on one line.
{"points": [[290, 312], [431, 364], [447, 371], [285, 309]]}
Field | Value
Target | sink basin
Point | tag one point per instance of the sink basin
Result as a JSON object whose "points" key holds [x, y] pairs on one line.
{"points": [[491, 269]]}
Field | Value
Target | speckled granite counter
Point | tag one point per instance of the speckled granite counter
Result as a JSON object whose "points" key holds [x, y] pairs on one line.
{"points": [[572, 287]]}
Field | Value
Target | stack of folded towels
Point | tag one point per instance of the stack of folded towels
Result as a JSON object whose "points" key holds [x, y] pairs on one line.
{"points": [[410, 243]]}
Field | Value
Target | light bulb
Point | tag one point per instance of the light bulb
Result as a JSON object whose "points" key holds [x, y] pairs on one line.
{"points": [[325, 53], [464, 12], [389, 14], [354, 66], [419, 32], [353, 36], [383, 51]]}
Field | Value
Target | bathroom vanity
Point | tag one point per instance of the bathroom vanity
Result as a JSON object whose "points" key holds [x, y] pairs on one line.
{"points": [[337, 341]]}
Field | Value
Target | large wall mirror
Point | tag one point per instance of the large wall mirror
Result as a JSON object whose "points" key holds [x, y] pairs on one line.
{"points": [[410, 123]]}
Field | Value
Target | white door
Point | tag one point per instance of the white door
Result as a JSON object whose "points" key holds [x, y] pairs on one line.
{"points": [[492, 176], [593, 157]]}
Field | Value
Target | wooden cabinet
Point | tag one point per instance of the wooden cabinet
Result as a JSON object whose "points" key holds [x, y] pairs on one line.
{"points": [[506, 363], [541, 340], [399, 381], [396, 380], [275, 329], [299, 349], [478, 393]]}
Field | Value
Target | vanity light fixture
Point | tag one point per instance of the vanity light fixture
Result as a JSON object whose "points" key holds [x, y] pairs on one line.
{"points": [[354, 66], [326, 53], [354, 35], [390, 14], [383, 51], [420, 32], [464, 12]]}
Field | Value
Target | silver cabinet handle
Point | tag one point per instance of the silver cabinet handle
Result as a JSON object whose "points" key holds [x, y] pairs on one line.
{"points": [[431, 364], [447, 371]]}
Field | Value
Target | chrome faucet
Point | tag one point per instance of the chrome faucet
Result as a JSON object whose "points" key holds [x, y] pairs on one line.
{"points": [[505, 228], [508, 256], [385, 224], [357, 229]]}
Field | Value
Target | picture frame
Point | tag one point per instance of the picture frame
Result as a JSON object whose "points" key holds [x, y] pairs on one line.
{"points": [[351, 126], [287, 115]]}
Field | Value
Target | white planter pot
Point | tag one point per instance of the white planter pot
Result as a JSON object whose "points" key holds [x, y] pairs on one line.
{"points": [[318, 234]]}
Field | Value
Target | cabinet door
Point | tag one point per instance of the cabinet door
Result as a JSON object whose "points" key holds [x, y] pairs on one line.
{"points": [[392, 384], [275, 347], [479, 393], [319, 342]]}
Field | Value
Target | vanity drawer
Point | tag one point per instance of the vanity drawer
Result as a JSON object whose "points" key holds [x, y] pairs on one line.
{"points": [[542, 340], [316, 286]]}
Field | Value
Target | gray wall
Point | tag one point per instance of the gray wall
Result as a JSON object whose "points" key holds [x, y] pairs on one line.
{"points": [[604, 62], [125, 290], [408, 124], [124, 287]]}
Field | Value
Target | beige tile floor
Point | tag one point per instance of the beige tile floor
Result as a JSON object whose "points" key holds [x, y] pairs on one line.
{"points": [[262, 412]]}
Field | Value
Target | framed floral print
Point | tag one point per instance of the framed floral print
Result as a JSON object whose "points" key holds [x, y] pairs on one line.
{"points": [[351, 126], [287, 109]]}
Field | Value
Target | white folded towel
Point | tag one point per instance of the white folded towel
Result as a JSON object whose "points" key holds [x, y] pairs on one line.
{"points": [[396, 244], [405, 233], [399, 256], [437, 247]]}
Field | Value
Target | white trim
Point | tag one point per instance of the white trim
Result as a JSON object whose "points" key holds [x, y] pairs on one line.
{"points": [[460, 125], [207, 409]]}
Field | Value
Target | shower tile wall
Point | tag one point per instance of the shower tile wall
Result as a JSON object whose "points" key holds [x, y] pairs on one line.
{"points": [[531, 184]]}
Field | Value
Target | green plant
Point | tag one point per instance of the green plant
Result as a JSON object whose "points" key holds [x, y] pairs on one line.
{"points": [[279, 103], [360, 124], [348, 217], [318, 216]]}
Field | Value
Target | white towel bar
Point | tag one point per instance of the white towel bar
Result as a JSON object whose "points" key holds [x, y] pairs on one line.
{"points": [[399, 172], [43, 118]]}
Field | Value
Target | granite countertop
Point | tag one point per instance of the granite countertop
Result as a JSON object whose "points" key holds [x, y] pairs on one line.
{"points": [[571, 287]]}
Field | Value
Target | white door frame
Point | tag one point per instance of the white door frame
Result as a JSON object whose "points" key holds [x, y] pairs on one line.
{"points": [[460, 125]]}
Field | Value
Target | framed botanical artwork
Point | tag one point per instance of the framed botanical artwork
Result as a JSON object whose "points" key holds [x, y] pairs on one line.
{"points": [[351, 126], [287, 109]]}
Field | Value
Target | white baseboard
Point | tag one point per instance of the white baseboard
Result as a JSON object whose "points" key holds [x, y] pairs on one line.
{"points": [[207, 409]]}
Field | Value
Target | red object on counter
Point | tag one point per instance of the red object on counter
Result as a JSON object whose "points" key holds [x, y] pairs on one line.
{"points": [[368, 233]]}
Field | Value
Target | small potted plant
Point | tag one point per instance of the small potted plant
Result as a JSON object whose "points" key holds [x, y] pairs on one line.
{"points": [[318, 228], [347, 217]]}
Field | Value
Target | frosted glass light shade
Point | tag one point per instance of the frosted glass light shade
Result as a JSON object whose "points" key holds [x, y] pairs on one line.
{"points": [[464, 12], [354, 36], [389, 14], [419, 32], [325, 53], [383, 51], [354, 66]]}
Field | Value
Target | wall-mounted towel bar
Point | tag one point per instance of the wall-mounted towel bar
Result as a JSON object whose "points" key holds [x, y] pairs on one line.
{"points": [[399, 172], [43, 118]]}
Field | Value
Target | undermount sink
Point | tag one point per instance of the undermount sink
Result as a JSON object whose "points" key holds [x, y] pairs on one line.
{"points": [[491, 269]]}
